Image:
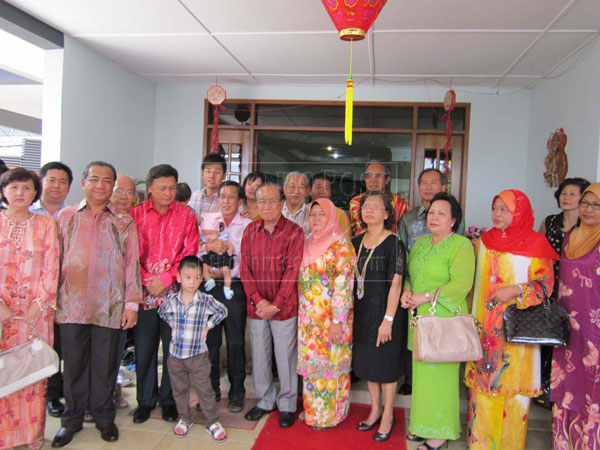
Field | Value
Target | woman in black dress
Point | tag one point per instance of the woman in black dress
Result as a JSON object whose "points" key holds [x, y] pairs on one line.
{"points": [[555, 226], [379, 324]]}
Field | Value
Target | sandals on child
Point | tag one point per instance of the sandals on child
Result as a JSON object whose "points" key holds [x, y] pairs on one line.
{"points": [[217, 432], [182, 426]]}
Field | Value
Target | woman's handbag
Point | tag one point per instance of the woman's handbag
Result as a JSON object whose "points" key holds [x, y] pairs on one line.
{"points": [[26, 364], [445, 339], [545, 324]]}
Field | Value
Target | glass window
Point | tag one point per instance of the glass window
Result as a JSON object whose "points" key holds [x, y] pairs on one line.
{"points": [[281, 152], [383, 117], [300, 115], [233, 114], [430, 118]]}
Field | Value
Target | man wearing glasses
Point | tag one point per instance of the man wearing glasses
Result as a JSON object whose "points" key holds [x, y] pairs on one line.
{"points": [[230, 199], [272, 248], [377, 177]]}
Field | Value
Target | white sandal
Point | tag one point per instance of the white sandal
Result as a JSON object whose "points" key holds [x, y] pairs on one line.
{"points": [[215, 430], [181, 426]]}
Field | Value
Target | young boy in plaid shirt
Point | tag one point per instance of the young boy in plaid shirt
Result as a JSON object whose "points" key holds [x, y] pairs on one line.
{"points": [[190, 314]]}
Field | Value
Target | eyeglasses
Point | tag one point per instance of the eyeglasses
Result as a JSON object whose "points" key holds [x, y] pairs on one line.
{"points": [[125, 193], [270, 202], [584, 204], [373, 207], [376, 175]]}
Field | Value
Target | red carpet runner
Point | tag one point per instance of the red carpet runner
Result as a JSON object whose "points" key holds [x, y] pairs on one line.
{"points": [[343, 437]]}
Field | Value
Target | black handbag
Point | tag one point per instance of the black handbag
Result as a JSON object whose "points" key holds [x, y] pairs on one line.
{"points": [[544, 324]]}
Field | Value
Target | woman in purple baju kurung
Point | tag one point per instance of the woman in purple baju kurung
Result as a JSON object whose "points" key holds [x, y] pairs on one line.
{"points": [[575, 382]]}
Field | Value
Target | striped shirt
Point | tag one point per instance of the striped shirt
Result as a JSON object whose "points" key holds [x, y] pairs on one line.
{"points": [[300, 217], [270, 265], [188, 324]]}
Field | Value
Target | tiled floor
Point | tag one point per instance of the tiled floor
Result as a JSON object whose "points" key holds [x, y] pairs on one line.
{"points": [[158, 435]]}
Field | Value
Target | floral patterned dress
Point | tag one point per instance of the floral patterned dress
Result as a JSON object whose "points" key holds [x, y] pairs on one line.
{"points": [[28, 274], [325, 288], [575, 382], [504, 380]]}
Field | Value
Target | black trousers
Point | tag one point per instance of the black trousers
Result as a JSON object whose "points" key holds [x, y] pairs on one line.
{"points": [[235, 329], [55, 382], [91, 367], [149, 330]]}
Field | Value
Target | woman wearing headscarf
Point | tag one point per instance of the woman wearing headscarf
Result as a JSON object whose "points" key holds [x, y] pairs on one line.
{"points": [[325, 318], [513, 262], [555, 226], [575, 368]]}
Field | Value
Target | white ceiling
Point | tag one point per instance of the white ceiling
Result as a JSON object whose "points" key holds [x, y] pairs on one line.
{"points": [[500, 45]]}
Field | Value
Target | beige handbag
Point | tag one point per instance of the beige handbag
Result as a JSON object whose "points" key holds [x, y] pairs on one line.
{"points": [[445, 339], [26, 364]]}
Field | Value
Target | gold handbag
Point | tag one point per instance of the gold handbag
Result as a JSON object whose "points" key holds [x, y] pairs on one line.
{"points": [[445, 339]]}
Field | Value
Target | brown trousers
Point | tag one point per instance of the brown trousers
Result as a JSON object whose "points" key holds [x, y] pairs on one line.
{"points": [[193, 372]]}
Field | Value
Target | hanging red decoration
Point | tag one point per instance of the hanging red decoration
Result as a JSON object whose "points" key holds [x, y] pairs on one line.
{"points": [[352, 18], [557, 164], [216, 95], [449, 104]]}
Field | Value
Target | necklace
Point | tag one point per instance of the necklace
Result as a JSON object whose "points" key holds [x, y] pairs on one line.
{"points": [[360, 277], [17, 228]]}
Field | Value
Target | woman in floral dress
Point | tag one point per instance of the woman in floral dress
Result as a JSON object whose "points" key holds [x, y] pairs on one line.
{"points": [[512, 262], [28, 283], [575, 382], [325, 319]]}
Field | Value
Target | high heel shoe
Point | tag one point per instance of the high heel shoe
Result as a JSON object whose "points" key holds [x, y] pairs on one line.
{"points": [[414, 438], [429, 447], [364, 426], [382, 437]]}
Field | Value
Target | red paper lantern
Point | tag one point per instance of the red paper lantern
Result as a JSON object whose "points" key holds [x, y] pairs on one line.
{"points": [[353, 18]]}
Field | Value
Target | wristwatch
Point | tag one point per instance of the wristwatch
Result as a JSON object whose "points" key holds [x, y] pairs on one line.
{"points": [[389, 318]]}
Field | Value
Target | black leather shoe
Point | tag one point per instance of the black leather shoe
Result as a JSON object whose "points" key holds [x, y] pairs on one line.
{"points": [[405, 389], [64, 436], [286, 419], [414, 437], [169, 413], [256, 413], [55, 408], [141, 414], [382, 437], [364, 426], [236, 405], [108, 432]]}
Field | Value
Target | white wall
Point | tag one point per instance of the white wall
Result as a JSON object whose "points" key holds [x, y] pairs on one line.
{"points": [[571, 101], [498, 133], [107, 113]]}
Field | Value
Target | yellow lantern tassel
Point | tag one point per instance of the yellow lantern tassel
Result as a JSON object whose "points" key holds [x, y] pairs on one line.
{"points": [[349, 104]]}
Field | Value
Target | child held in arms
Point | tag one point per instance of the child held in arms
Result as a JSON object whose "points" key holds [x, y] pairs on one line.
{"points": [[212, 229], [191, 314]]}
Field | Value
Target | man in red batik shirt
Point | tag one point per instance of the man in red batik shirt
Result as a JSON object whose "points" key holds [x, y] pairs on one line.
{"points": [[168, 231]]}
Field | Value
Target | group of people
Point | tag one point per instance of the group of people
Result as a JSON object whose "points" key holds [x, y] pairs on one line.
{"points": [[323, 295]]}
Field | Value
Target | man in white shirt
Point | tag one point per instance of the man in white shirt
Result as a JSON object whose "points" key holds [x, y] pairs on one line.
{"points": [[295, 208], [230, 199]]}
